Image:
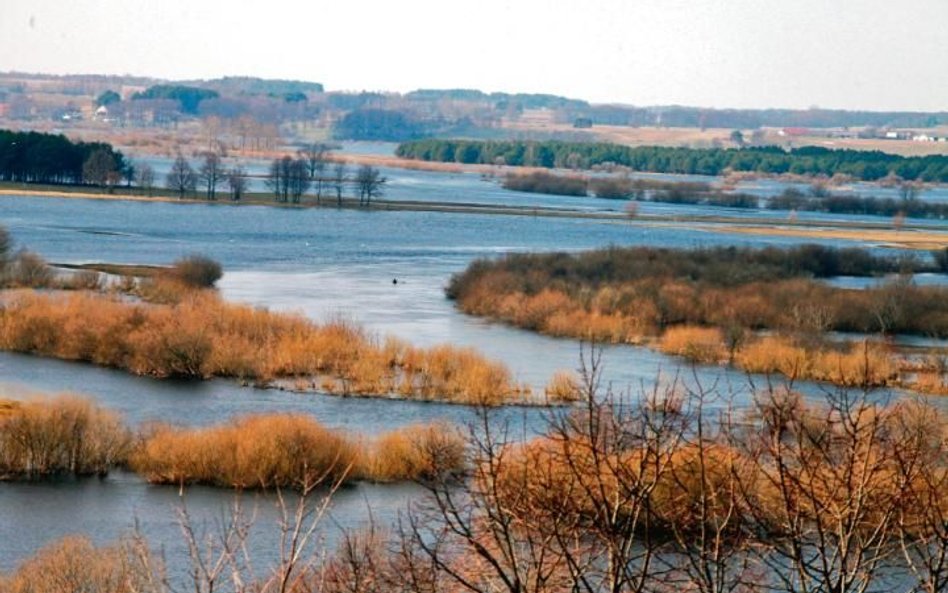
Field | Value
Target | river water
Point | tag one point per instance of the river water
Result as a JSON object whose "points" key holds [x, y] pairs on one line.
{"points": [[321, 262]]}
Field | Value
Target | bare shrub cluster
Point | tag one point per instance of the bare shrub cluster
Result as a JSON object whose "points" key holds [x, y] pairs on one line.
{"points": [[683, 492], [71, 436], [677, 490], [290, 451], [201, 336], [709, 305], [76, 565], [64, 436]]}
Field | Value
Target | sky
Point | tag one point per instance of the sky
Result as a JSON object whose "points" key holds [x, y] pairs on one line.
{"points": [[846, 54]]}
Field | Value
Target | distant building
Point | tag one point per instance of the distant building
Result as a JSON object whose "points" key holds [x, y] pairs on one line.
{"points": [[898, 135], [102, 113], [583, 122], [793, 132]]}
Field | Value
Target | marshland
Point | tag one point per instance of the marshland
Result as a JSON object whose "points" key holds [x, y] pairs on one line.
{"points": [[261, 334]]}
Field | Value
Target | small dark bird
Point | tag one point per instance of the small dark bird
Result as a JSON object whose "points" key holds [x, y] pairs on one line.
{"points": [[394, 280]]}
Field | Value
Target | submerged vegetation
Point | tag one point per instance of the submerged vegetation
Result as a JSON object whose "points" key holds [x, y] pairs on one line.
{"points": [[709, 305], [197, 335], [66, 436], [71, 436], [292, 451]]}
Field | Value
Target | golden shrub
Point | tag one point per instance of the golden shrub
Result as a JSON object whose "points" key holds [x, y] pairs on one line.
{"points": [[201, 336], [697, 344]]}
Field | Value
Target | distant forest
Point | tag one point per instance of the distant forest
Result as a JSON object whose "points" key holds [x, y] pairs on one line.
{"points": [[676, 116], [863, 165], [696, 117], [380, 125], [33, 157]]}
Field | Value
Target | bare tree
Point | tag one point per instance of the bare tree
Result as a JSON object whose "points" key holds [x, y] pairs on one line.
{"points": [[571, 511], [211, 174], [315, 157], [706, 516], [181, 177], [236, 181], [823, 494], [298, 180], [369, 182], [99, 169], [278, 181], [339, 180], [145, 178], [129, 172]]}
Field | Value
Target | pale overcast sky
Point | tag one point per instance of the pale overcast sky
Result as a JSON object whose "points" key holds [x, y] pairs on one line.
{"points": [[868, 54]]}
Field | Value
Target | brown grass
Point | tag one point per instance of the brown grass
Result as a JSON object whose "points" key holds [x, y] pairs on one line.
{"points": [[292, 451], [201, 336], [8, 407], [925, 241]]}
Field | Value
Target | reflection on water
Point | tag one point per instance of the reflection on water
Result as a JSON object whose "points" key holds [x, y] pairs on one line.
{"points": [[34, 515]]}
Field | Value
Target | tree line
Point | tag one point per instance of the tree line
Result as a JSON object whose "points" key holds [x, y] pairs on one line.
{"points": [[863, 165], [288, 179], [36, 157]]}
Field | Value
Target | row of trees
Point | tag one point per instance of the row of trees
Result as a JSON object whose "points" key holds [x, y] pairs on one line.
{"points": [[35, 157], [184, 179], [864, 165], [289, 179]]}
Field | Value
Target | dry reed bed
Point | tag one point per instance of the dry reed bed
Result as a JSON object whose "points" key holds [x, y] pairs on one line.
{"points": [[713, 312], [293, 452], [62, 436], [201, 336], [71, 436], [796, 356]]}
